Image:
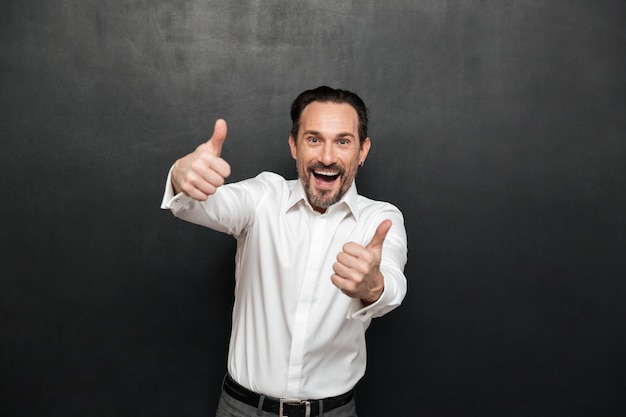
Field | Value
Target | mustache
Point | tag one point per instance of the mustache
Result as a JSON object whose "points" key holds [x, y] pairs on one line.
{"points": [[314, 166]]}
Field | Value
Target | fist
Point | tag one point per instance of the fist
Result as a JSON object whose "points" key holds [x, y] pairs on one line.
{"points": [[200, 173], [357, 273]]}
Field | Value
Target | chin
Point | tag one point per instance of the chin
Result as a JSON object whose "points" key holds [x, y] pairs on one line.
{"points": [[327, 199]]}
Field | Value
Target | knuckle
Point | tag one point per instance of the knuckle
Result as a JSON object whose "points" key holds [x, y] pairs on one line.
{"points": [[196, 165], [187, 188]]}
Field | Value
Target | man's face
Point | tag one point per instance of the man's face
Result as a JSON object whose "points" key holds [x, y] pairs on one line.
{"points": [[327, 151]]}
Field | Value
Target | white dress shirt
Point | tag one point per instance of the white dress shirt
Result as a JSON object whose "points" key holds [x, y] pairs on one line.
{"points": [[294, 334]]}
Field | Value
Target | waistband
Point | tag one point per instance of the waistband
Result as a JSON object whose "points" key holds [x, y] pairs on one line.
{"points": [[283, 406]]}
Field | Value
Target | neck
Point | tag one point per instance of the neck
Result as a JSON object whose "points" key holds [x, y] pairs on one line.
{"points": [[317, 209]]}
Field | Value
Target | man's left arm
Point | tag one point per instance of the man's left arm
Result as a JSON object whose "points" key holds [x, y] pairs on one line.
{"points": [[373, 274]]}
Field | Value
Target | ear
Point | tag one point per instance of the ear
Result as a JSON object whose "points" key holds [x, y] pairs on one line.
{"points": [[292, 146], [365, 149]]}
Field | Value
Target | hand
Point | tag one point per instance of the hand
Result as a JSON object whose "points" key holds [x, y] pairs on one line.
{"points": [[200, 173], [357, 272]]}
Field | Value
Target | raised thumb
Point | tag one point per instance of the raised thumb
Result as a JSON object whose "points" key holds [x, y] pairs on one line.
{"points": [[379, 236], [219, 136]]}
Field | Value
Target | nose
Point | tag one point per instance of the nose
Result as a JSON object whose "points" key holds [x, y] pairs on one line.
{"points": [[327, 155]]}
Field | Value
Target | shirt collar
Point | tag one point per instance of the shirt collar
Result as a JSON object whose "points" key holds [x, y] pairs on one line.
{"points": [[349, 199]]}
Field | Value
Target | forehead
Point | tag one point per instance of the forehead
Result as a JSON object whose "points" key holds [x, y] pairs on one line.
{"points": [[329, 118]]}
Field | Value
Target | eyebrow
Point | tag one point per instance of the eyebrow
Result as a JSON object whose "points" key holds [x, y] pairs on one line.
{"points": [[339, 135]]}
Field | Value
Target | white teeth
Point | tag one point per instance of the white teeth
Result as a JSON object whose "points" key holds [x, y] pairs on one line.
{"points": [[327, 173]]}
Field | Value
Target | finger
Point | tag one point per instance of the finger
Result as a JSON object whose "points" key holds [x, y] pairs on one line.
{"points": [[352, 249], [206, 165], [350, 260], [342, 270], [197, 187], [211, 179], [345, 285], [379, 236], [219, 166], [219, 136], [199, 193]]}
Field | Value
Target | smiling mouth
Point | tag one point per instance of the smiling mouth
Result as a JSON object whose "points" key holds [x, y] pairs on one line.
{"points": [[325, 176]]}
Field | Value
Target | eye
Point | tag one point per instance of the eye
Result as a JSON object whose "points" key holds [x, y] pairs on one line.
{"points": [[313, 139], [343, 142]]}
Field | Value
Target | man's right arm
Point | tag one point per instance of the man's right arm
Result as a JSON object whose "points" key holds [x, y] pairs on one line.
{"points": [[194, 189]]}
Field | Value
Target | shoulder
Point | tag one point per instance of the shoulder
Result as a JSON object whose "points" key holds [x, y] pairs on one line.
{"points": [[271, 180], [270, 177], [368, 207], [264, 185]]}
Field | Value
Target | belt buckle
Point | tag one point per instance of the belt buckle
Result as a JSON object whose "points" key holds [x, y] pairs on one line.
{"points": [[283, 401]]}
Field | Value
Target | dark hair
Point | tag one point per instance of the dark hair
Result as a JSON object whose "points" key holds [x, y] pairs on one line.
{"points": [[326, 94]]}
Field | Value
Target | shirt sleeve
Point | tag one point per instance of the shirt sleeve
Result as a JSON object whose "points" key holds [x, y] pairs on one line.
{"points": [[230, 210], [393, 260], [170, 201]]}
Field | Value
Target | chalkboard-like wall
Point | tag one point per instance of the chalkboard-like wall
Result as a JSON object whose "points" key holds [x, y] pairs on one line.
{"points": [[499, 129]]}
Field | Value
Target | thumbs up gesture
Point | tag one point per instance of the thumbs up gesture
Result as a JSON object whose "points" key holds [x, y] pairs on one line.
{"points": [[357, 272], [200, 173]]}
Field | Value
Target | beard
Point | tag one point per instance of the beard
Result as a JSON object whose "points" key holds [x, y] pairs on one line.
{"points": [[322, 199], [325, 198]]}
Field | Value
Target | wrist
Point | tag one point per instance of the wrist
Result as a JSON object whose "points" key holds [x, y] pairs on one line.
{"points": [[374, 296]]}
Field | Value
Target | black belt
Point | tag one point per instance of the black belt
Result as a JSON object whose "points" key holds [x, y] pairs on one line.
{"points": [[284, 407]]}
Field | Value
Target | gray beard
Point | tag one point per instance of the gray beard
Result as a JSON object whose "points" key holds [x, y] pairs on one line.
{"points": [[323, 203]]}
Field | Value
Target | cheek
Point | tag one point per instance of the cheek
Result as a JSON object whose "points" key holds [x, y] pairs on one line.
{"points": [[350, 162], [301, 165]]}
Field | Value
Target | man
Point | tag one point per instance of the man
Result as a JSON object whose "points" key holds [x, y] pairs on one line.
{"points": [[315, 261]]}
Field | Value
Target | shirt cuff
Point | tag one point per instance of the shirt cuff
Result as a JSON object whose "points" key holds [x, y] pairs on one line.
{"points": [[358, 312], [171, 201]]}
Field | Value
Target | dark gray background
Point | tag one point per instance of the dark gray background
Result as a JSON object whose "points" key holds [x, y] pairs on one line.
{"points": [[498, 128]]}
